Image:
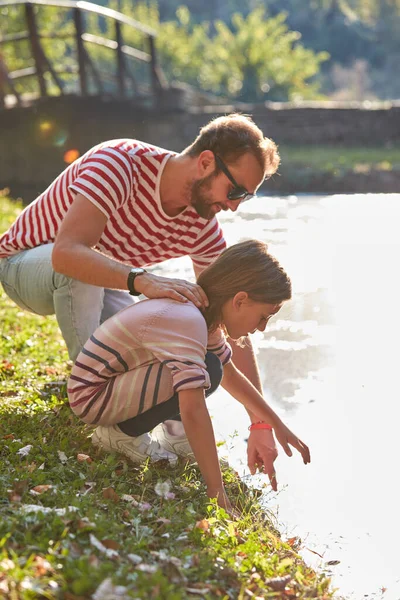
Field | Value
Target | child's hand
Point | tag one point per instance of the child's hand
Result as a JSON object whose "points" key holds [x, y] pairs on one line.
{"points": [[261, 454], [224, 502], [286, 437]]}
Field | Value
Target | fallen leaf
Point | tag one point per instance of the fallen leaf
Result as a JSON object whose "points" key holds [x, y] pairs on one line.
{"points": [[111, 544], [162, 488], [110, 494], [84, 523], [94, 561], [42, 566], [278, 583], [99, 546], [204, 524], [84, 458], [40, 489], [62, 456], [293, 541], [145, 568], [18, 488], [198, 591], [135, 558], [25, 450], [9, 436], [35, 508], [108, 591], [163, 520], [314, 552]]}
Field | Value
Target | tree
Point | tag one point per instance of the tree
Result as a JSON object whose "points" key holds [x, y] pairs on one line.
{"points": [[254, 58]]}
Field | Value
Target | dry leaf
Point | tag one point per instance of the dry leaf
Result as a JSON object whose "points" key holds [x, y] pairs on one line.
{"points": [[293, 540], [111, 544], [40, 489], [204, 524], [135, 559], [278, 583], [84, 458], [99, 546], [84, 523], [42, 566], [314, 552], [110, 494], [198, 591], [62, 456], [108, 591], [9, 436], [15, 494], [163, 520], [25, 450]]}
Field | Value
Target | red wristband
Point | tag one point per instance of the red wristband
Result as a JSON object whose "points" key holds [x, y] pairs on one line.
{"points": [[260, 425]]}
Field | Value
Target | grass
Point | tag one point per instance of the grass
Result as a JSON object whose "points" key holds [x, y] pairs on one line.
{"points": [[328, 158], [76, 523]]}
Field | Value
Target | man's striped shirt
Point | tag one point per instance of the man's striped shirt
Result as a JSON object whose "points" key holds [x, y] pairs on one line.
{"points": [[122, 178]]}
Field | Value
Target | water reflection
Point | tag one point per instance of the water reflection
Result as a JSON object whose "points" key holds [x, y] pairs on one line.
{"points": [[329, 364]]}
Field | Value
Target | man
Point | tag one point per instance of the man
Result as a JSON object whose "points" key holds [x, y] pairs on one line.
{"points": [[80, 247]]}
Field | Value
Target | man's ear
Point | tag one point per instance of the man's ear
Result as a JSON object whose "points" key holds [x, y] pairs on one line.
{"points": [[205, 163], [239, 299]]}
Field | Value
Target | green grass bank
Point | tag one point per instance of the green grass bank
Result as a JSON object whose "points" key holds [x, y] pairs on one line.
{"points": [[337, 169], [76, 523]]}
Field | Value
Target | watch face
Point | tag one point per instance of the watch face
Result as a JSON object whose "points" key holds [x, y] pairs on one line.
{"points": [[137, 270]]}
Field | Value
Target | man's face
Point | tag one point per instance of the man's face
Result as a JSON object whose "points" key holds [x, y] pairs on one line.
{"points": [[209, 194]]}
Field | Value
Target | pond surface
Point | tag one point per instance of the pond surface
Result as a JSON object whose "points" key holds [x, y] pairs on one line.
{"points": [[330, 367]]}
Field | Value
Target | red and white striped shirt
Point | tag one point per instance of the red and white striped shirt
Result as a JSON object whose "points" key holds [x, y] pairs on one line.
{"points": [[122, 178]]}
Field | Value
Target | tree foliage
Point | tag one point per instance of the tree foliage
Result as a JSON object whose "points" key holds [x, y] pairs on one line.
{"points": [[248, 50], [251, 58]]}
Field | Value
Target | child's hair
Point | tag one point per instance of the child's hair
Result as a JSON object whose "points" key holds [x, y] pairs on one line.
{"points": [[244, 267]]}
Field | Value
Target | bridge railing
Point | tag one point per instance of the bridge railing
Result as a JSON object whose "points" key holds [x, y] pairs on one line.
{"points": [[91, 79]]}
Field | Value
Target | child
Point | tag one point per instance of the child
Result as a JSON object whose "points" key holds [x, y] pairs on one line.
{"points": [[159, 358]]}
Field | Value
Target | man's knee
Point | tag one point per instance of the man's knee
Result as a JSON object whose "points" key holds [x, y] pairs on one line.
{"points": [[215, 371]]}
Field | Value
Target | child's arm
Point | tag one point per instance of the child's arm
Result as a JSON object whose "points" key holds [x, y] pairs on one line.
{"points": [[199, 431], [242, 390]]}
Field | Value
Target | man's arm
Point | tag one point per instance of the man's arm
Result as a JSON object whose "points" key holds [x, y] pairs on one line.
{"points": [[74, 255]]}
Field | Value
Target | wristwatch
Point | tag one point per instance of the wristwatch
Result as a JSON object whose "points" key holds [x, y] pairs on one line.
{"points": [[131, 280]]}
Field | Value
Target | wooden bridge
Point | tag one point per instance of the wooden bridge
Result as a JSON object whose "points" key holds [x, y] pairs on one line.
{"points": [[131, 73]]}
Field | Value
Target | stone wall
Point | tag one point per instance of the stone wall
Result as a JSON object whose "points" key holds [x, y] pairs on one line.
{"points": [[34, 139]]}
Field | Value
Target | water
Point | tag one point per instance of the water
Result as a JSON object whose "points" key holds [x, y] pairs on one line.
{"points": [[329, 366]]}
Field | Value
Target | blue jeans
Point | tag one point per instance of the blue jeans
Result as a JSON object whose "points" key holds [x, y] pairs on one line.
{"points": [[29, 280]]}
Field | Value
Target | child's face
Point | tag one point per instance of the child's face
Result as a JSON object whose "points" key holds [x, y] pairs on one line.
{"points": [[242, 316]]}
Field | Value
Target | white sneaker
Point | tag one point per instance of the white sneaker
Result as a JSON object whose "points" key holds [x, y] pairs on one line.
{"points": [[137, 449], [178, 444]]}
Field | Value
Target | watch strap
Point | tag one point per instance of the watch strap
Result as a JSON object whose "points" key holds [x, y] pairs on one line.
{"points": [[131, 281]]}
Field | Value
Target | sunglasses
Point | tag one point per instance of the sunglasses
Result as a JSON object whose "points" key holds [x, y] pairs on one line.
{"points": [[238, 192]]}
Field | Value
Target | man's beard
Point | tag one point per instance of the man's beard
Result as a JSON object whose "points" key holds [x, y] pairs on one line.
{"points": [[200, 198]]}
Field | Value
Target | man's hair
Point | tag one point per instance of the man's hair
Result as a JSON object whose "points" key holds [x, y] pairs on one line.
{"points": [[244, 267], [232, 136]]}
